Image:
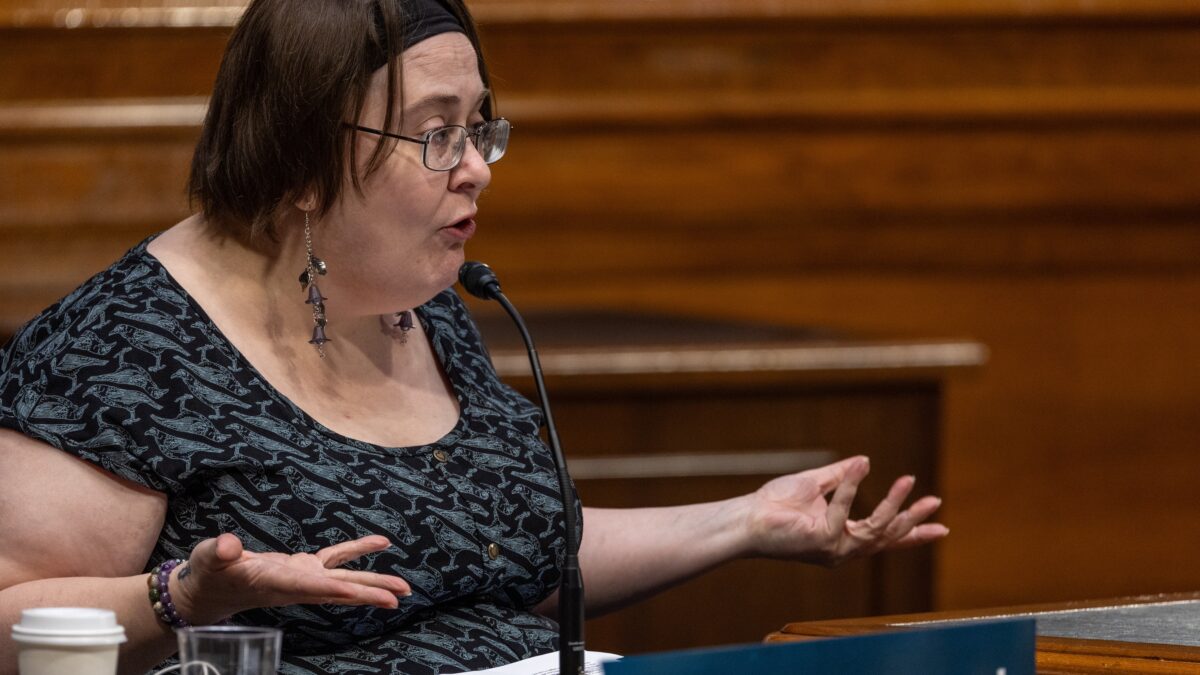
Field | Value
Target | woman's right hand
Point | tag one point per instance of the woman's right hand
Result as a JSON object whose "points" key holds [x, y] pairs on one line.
{"points": [[221, 578]]}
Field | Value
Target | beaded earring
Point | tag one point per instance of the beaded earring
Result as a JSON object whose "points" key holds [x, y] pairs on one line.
{"points": [[403, 322], [308, 279]]}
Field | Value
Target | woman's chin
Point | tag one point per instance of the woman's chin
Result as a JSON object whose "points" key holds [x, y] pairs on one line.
{"points": [[454, 264], [445, 276]]}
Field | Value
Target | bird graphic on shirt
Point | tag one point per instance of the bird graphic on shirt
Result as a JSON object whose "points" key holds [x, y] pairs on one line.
{"points": [[119, 397], [275, 427], [283, 530], [134, 376], [396, 529], [160, 320], [179, 446], [194, 425], [92, 344], [314, 494], [203, 392], [213, 376], [449, 540], [544, 505], [151, 343]]}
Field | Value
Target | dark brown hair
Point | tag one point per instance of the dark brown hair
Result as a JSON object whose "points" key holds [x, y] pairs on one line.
{"points": [[293, 72]]}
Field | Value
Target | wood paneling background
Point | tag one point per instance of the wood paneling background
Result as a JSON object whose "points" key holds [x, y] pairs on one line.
{"points": [[1023, 174]]}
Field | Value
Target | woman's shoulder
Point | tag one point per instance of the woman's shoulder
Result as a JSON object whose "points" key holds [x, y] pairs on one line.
{"points": [[117, 305], [90, 373]]}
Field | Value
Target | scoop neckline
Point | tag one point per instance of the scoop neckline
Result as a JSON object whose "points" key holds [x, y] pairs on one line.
{"points": [[451, 374]]}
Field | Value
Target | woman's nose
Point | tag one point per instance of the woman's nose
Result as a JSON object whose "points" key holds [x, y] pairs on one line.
{"points": [[472, 173]]}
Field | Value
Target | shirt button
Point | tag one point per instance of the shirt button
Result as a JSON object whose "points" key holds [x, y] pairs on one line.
{"points": [[493, 550], [440, 455]]}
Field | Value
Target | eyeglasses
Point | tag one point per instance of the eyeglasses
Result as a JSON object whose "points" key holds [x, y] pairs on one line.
{"points": [[443, 147]]}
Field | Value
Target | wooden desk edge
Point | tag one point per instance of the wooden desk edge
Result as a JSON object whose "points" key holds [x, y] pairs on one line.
{"points": [[1054, 654]]}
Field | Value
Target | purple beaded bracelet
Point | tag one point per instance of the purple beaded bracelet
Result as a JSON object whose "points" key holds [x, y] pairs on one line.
{"points": [[160, 594]]}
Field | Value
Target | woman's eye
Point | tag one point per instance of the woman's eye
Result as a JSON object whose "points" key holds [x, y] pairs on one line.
{"points": [[440, 137]]}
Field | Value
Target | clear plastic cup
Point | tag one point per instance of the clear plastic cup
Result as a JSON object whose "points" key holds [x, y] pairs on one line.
{"points": [[67, 641], [229, 650]]}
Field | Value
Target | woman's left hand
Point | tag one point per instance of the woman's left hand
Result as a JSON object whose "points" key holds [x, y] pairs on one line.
{"points": [[789, 517]]}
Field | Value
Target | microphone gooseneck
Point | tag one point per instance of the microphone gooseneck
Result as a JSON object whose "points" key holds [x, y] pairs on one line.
{"points": [[481, 282]]}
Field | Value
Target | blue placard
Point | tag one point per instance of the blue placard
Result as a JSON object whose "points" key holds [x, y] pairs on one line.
{"points": [[979, 648]]}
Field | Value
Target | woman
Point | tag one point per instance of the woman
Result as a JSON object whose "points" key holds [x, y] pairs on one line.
{"points": [[336, 456]]}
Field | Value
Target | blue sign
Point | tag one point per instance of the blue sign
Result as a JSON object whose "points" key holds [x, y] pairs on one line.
{"points": [[977, 648]]}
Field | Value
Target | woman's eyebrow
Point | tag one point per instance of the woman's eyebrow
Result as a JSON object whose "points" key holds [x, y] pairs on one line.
{"points": [[444, 101]]}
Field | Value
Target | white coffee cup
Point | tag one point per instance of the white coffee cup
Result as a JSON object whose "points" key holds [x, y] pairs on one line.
{"points": [[67, 641]]}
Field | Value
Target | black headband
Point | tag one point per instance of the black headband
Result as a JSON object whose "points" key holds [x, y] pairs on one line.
{"points": [[422, 19]]}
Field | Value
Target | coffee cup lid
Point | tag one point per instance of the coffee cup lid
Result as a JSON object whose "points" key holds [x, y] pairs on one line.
{"points": [[68, 626]]}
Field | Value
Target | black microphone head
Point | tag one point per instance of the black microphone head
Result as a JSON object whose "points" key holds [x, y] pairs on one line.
{"points": [[479, 280]]}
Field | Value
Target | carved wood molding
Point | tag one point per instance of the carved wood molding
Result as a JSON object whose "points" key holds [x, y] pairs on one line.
{"points": [[980, 106], [126, 15], [751, 359], [101, 117], [163, 13], [657, 465], [519, 11], [886, 106]]}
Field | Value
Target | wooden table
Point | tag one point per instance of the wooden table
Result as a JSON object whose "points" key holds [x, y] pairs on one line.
{"points": [[1144, 634], [657, 410]]}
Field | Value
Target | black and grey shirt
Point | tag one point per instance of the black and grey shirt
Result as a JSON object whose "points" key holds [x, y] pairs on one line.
{"points": [[129, 373]]}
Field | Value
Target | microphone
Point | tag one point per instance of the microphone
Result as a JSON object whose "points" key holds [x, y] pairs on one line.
{"points": [[481, 282]]}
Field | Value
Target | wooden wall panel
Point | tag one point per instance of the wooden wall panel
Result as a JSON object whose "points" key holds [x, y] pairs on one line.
{"points": [[1069, 468], [1025, 174], [898, 420], [49, 63]]}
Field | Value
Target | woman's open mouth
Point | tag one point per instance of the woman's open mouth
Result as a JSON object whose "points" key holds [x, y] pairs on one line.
{"points": [[463, 229]]}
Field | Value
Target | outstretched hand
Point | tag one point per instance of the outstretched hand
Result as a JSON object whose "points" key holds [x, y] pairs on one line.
{"points": [[790, 517], [222, 578]]}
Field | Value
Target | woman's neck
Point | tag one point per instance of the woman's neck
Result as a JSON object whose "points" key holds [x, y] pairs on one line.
{"points": [[255, 297], [368, 385]]}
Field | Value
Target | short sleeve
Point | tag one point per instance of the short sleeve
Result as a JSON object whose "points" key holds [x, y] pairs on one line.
{"points": [[93, 374], [65, 389]]}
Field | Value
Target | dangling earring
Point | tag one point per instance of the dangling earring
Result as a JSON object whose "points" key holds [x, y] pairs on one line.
{"points": [[308, 278], [399, 324]]}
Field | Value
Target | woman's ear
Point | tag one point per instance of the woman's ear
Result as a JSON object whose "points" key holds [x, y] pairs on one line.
{"points": [[306, 200]]}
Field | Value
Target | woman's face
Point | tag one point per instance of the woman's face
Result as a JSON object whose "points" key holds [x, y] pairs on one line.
{"points": [[401, 241]]}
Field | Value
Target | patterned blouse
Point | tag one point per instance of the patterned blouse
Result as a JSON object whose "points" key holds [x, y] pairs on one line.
{"points": [[129, 373]]}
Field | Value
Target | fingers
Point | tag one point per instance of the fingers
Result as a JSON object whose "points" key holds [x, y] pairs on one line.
{"points": [[392, 584], [326, 589], [921, 534], [885, 514], [368, 587], [903, 530], [832, 475], [231, 579], [899, 532], [228, 548], [920, 510], [850, 473], [314, 584], [217, 552], [340, 554], [889, 527]]}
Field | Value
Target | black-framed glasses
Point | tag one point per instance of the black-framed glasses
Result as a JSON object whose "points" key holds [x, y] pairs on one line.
{"points": [[442, 148]]}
